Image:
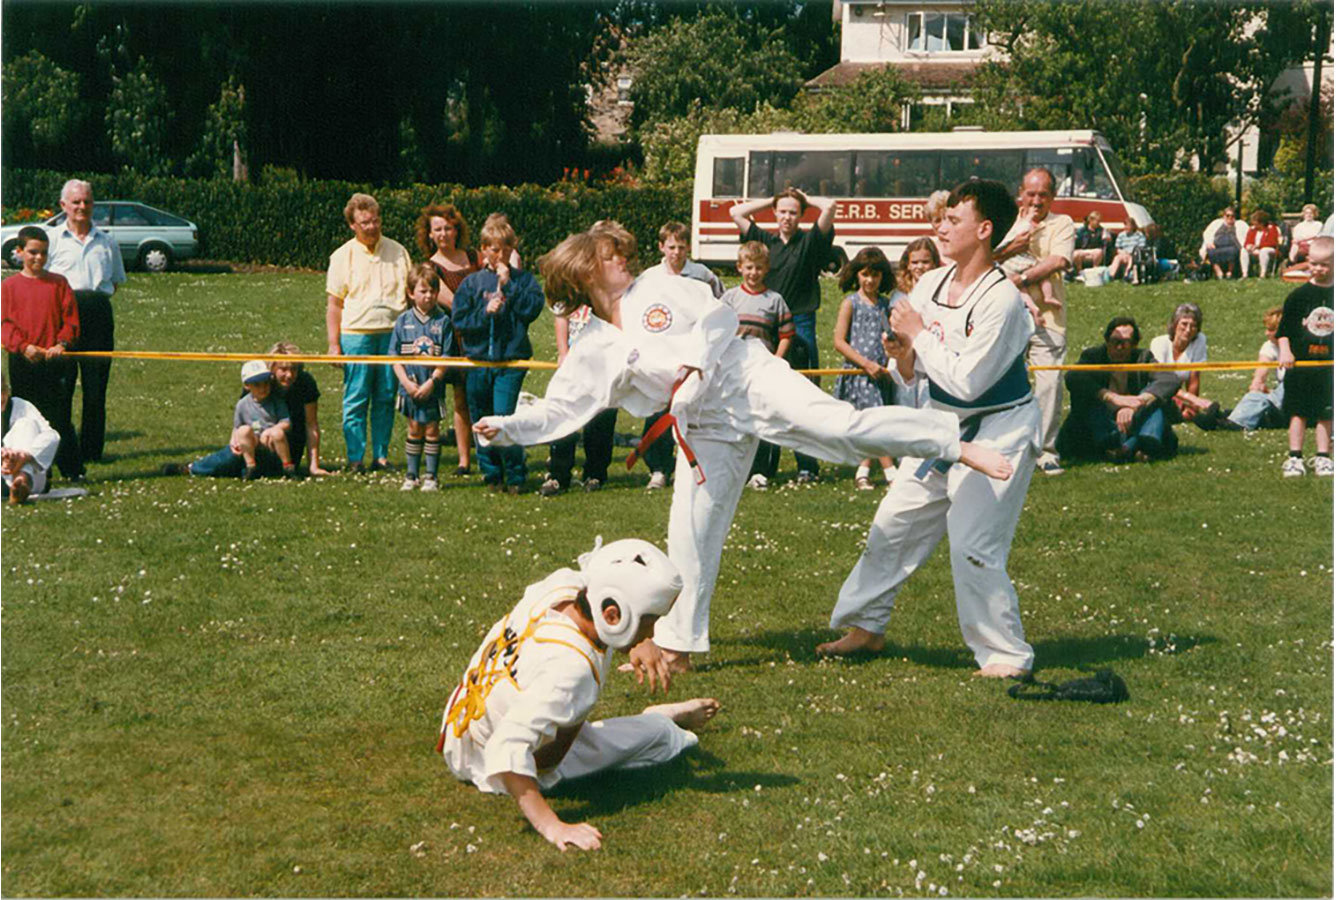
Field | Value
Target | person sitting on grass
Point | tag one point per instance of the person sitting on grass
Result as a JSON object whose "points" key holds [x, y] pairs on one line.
{"points": [[1185, 343], [297, 388], [1126, 246], [28, 447], [493, 310], [421, 330], [1092, 244], [260, 426], [518, 721], [1260, 407], [1305, 334], [1118, 415]]}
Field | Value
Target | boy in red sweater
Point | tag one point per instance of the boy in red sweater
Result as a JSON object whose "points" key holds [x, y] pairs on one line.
{"points": [[40, 320]]}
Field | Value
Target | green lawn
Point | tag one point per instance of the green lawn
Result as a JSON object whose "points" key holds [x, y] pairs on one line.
{"points": [[221, 689]]}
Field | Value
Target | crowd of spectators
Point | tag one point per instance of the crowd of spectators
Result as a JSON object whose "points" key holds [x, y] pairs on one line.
{"points": [[479, 304]]}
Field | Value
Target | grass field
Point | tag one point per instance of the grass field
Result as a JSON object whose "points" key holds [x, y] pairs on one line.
{"points": [[222, 689]]}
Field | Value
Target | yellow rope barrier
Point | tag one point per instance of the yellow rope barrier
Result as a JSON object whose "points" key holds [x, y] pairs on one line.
{"points": [[455, 362]]}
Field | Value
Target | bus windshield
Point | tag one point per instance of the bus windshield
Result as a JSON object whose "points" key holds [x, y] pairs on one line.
{"points": [[1119, 177]]}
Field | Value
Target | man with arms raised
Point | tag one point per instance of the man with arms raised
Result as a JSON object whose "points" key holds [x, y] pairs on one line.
{"points": [[965, 329]]}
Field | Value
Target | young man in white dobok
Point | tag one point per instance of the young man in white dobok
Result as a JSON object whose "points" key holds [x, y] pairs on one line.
{"points": [[964, 329]]}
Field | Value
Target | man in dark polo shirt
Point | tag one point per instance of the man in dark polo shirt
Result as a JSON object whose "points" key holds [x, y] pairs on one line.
{"points": [[796, 260]]}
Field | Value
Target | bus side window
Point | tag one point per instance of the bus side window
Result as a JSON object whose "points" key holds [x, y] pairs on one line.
{"points": [[760, 180], [727, 177]]}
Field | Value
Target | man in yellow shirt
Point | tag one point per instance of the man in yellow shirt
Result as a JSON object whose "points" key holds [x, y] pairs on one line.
{"points": [[1050, 238], [367, 288]]}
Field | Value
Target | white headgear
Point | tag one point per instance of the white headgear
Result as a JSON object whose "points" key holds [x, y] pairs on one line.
{"points": [[635, 575]]}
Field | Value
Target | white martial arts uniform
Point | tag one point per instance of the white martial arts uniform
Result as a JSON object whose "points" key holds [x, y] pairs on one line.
{"points": [[973, 357], [30, 432], [535, 673], [746, 393]]}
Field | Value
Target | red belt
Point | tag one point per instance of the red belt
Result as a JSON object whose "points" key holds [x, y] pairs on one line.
{"points": [[666, 421]]}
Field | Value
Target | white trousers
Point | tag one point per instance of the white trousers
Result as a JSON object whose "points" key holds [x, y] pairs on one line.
{"points": [[764, 398], [979, 515], [1048, 348], [626, 742], [1265, 257], [36, 477]]}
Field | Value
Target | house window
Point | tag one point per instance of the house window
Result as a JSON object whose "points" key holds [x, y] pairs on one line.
{"points": [[624, 89], [928, 32]]}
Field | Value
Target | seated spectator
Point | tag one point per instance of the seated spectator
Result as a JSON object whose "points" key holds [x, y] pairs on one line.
{"points": [[1303, 233], [260, 427], [1185, 343], [41, 319], [1222, 241], [1262, 242], [1261, 406], [296, 387], [1092, 244], [1126, 246], [29, 447], [1118, 415]]}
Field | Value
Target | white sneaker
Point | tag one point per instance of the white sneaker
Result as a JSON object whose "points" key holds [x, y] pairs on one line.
{"points": [[429, 484], [863, 483], [657, 482], [758, 482], [1322, 466], [410, 484], [1049, 465], [1293, 467]]}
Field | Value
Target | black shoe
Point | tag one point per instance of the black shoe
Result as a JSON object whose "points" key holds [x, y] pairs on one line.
{"points": [[461, 471], [381, 465], [176, 468], [251, 474], [290, 473], [357, 468]]}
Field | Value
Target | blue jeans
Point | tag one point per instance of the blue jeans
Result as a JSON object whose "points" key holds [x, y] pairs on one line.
{"points": [[1259, 410], [495, 392], [804, 326], [1150, 433], [367, 386], [226, 464]]}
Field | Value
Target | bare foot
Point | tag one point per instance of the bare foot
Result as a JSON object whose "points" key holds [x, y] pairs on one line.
{"points": [[857, 640], [1001, 670], [688, 714], [985, 460]]}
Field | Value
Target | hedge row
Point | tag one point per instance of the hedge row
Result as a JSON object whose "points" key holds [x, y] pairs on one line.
{"points": [[291, 222], [299, 223]]}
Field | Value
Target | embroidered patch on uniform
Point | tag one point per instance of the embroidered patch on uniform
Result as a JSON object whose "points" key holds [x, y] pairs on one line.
{"points": [[937, 331], [657, 318]]}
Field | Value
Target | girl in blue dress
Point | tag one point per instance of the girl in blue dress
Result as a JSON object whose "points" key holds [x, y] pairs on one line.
{"points": [[862, 322]]}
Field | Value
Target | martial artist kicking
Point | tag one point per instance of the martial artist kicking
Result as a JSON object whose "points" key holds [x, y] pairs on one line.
{"points": [[516, 722], [965, 329], [663, 341]]}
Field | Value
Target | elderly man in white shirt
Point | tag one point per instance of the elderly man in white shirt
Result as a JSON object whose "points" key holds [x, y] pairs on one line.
{"points": [[91, 261], [1051, 239]]}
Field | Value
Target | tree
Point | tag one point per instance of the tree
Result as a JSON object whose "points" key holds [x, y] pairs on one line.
{"points": [[1162, 79], [712, 60], [138, 113], [873, 102], [42, 109], [224, 138]]}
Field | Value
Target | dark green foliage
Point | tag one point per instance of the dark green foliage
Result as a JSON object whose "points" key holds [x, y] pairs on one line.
{"points": [[291, 222], [1182, 204]]}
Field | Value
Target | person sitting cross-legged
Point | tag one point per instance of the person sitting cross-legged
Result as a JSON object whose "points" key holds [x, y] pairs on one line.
{"points": [[1118, 415]]}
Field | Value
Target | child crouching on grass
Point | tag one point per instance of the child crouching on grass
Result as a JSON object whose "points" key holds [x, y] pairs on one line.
{"points": [[260, 425], [516, 723], [421, 330]]}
